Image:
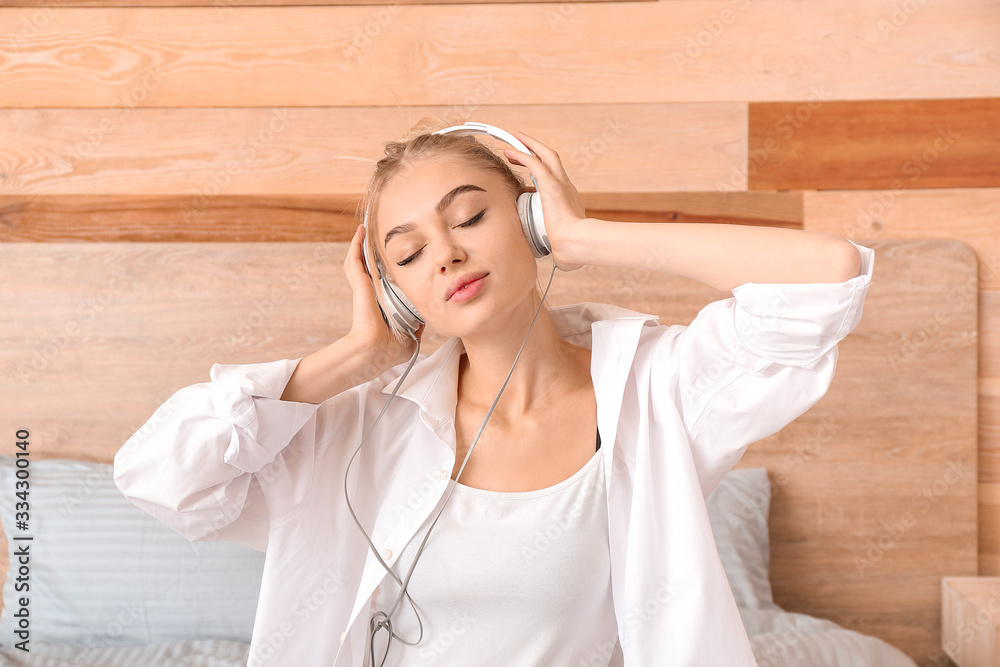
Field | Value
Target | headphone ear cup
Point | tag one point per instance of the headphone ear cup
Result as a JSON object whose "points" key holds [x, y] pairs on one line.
{"points": [[401, 310], [529, 210], [398, 312]]}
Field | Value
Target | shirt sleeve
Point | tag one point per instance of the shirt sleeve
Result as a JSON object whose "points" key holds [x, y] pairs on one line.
{"points": [[196, 463], [748, 365]]}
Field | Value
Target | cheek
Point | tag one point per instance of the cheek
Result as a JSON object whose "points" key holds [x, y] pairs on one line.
{"points": [[420, 293], [520, 269], [516, 245], [516, 257]]}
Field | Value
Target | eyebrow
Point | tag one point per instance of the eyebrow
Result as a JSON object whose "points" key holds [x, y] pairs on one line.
{"points": [[441, 206]]}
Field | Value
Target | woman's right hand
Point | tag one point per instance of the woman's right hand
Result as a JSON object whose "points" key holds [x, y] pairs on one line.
{"points": [[369, 331]]}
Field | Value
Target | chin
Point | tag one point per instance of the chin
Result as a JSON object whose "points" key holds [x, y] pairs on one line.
{"points": [[472, 320]]}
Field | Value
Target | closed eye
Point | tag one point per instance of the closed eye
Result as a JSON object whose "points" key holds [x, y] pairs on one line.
{"points": [[464, 224]]}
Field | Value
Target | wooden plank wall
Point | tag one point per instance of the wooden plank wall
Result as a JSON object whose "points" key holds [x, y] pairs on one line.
{"points": [[152, 120]]}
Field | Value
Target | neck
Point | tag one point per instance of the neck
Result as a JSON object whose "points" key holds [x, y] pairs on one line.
{"points": [[546, 365]]}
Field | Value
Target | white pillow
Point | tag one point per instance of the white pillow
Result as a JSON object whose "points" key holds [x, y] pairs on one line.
{"points": [[738, 509], [105, 573]]}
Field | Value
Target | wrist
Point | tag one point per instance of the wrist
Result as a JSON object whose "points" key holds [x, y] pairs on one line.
{"points": [[368, 361], [578, 246]]}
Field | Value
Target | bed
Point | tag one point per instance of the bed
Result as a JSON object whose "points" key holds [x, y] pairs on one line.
{"points": [[835, 532]]}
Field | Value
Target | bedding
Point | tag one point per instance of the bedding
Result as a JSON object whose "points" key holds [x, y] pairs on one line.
{"points": [[105, 573], [192, 604], [786, 639], [778, 638]]}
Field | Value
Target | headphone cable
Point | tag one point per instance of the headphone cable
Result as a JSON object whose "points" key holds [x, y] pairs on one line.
{"points": [[376, 623]]}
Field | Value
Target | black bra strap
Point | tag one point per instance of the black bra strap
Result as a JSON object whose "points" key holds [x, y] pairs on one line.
{"points": [[598, 440]]}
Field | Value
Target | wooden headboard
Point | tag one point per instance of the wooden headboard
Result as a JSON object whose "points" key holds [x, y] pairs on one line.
{"points": [[874, 487]]}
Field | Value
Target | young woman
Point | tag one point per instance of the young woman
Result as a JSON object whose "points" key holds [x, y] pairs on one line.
{"points": [[578, 533]]}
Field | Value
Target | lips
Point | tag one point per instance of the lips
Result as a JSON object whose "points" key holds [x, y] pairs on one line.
{"points": [[462, 281]]}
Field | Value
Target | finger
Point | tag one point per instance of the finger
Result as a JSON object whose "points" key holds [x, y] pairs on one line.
{"points": [[549, 156], [534, 164], [355, 256], [349, 258], [358, 249], [519, 157]]}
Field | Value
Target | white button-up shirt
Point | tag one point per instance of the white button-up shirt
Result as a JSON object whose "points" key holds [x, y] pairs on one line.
{"points": [[677, 407]]}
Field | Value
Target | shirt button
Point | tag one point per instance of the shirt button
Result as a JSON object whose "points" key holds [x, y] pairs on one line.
{"points": [[444, 474], [386, 554]]}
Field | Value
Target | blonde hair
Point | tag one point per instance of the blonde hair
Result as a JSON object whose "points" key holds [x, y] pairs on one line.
{"points": [[400, 156]]}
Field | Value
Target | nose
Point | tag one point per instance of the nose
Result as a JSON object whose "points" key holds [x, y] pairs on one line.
{"points": [[448, 253]]}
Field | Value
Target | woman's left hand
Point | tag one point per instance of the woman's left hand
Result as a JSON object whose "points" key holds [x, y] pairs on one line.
{"points": [[561, 203]]}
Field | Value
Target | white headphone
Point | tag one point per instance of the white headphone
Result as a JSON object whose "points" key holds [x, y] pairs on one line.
{"points": [[402, 315]]}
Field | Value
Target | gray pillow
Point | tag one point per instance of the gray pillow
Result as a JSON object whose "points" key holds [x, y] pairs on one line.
{"points": [[738, 509], [105, 573]]}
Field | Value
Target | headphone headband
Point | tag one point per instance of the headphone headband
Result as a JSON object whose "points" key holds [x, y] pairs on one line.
{"points": [[472, 127]]}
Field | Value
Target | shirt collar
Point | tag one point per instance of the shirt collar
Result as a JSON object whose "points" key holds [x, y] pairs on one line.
{"points": [[437, 405]]}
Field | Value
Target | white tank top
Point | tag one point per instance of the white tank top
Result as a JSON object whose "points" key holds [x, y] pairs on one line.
{"points": [[508, 578]]}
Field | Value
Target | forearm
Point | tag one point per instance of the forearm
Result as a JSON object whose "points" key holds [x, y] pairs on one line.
{"points": [[723, 256], [330, 371]]}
